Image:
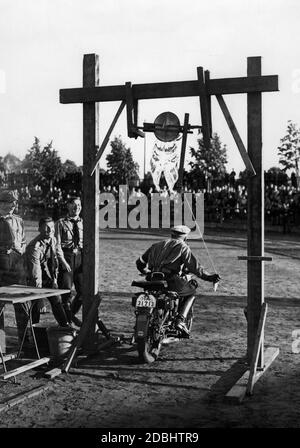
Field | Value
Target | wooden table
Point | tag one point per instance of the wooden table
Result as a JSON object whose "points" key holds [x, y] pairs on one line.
{"points": [[25, 295]]}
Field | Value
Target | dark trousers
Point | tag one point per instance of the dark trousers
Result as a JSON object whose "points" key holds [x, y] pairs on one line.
{"points": [[57, 310], [12, 271], [180, 285], [67, 279]]}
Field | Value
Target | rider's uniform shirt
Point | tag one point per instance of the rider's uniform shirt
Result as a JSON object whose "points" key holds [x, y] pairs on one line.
{"points": [[42, 262], [12, 248], [169, 257], [12, 234], [12, 266], [172, 257], [65, 235]]}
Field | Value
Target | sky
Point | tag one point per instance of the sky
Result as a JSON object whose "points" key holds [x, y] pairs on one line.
{"points": [[42, 43]]}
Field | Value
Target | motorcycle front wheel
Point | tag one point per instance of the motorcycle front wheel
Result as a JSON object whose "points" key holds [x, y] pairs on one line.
{"points": [[149, 345]]}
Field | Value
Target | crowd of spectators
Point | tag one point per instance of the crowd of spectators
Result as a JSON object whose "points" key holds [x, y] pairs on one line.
{"points": [[34, 201], [223, 203], [229, 202]]}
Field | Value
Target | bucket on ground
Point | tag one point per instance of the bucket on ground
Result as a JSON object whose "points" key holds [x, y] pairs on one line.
{"points": [[60, 340], [40, 333]]}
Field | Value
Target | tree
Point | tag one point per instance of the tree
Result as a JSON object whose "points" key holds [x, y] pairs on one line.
{"points": [[70, 167], [2, 171], [11, 163], [120, 163], [209, 162], [289, 149], [52, 167], [44, 165], [2, 165], [276, 176]]}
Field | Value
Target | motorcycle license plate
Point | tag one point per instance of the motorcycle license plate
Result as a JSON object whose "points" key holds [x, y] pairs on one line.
{"points": [[146, 301]]}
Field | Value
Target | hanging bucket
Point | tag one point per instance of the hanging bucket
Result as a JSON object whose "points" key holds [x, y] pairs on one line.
{"points": [[60, 340]]}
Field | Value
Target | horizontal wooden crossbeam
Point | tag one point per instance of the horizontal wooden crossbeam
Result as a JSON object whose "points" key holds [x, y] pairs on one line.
{"points": [[170, 89], [151, 127], [254, 258]]}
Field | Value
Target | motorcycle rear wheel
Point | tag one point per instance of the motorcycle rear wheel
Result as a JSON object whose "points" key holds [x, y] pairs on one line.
{"points": [[189, 319], [149, 346]]}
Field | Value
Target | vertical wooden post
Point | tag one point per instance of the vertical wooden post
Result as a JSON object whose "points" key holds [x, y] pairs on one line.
{"points": [[208, 99], [90, 197], [183, 147], [145, 154], [204, 109], [255, 285], [2, 330]]}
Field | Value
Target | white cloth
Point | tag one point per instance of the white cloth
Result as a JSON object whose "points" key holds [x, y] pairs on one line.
{"points": [[165, 159]]}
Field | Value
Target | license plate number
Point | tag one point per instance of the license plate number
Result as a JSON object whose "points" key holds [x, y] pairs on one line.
{"points": [[146, 301]]}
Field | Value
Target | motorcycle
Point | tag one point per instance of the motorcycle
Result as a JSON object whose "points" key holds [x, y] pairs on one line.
{"points": [[156, 309]]}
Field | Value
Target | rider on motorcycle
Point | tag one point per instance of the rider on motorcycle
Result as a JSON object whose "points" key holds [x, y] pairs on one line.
{"points": [[173, 257]]}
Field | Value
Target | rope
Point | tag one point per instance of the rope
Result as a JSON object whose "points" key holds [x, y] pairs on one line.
{"points": [[201, 236]]}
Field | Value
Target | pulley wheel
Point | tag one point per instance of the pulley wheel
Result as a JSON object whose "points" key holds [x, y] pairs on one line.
{"points": [[168, 127]]}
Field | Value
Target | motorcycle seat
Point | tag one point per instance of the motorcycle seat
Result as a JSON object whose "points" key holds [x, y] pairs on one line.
{"points": [[154, 285]]}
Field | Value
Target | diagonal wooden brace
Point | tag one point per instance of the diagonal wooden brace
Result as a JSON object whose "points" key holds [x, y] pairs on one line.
{"points": [[77, 343], [257, 349], [106, 139], [239, 143]]}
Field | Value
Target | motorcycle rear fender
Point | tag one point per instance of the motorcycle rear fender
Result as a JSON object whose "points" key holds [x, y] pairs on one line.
{"points": [[141, 327]]}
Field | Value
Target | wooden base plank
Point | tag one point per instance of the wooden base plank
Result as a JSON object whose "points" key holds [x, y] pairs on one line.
{"points": [[237, 393], [24, 368], [9, 357], [22, 397], [53, 373], [108, 343]]}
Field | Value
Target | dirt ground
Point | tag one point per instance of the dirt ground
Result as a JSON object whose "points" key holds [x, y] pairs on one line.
{"points": [[185, 388]]}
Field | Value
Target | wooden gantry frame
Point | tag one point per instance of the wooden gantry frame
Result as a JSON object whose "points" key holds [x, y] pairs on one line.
{"points": [[254, 84]]}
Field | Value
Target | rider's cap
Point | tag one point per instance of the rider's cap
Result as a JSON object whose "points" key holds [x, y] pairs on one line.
{"points": [[8, 196], [180, 230]]}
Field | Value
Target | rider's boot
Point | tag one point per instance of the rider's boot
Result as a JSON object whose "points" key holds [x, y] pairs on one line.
{"points": [[180, 323]]}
